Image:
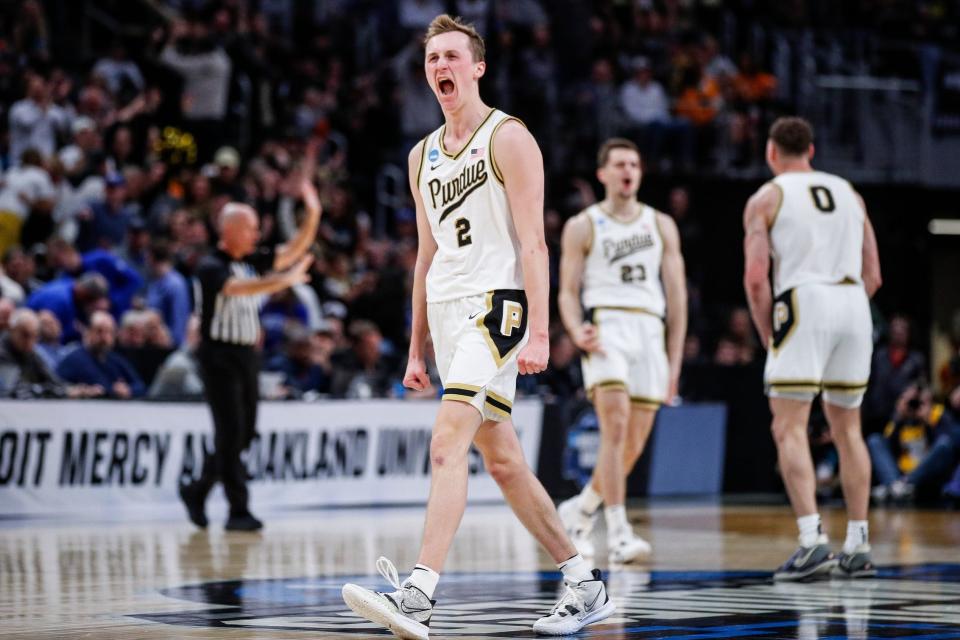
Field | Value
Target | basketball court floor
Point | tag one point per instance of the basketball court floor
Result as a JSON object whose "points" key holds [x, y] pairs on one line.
{"points": [[709, 577]]}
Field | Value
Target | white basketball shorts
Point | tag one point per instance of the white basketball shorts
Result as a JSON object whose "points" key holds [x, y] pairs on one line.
{"points": [[633, 358], [822, 340], [476, 340]]}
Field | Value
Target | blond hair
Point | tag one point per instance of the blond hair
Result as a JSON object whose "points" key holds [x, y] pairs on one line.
{"points": [[445, 24]]}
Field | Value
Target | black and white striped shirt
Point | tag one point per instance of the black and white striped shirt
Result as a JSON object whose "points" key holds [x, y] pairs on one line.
{"points": [[230, 319]]}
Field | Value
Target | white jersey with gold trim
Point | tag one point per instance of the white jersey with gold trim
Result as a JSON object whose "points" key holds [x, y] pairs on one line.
{"points": [[817, 234], [466, 205], [622, 266]]}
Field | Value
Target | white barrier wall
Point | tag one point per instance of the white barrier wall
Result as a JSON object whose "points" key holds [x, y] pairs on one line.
{"points": [[100, 458]]}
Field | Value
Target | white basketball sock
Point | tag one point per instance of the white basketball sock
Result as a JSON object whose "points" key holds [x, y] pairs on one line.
{"points": [[590, 500], [617, 523], [858, 533], [575, 569], [425, 579], [809, 529]]}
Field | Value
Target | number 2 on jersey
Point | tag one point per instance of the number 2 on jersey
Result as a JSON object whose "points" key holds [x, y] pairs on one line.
{"points": [[637, 273], [463, 232]]}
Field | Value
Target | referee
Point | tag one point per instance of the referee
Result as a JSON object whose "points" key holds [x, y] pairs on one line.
{"points": [[232, 282]]}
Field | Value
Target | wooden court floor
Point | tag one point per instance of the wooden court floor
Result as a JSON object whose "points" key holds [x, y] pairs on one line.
{"points": [[709, 577]]}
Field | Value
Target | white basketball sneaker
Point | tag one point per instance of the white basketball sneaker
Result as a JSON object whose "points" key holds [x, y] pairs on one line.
{"points": [[579, 525], [406, 612], [626, 546], [581, 604]]}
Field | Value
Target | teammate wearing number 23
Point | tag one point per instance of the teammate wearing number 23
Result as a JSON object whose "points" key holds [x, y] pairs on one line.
{"points": [[621, 261]]}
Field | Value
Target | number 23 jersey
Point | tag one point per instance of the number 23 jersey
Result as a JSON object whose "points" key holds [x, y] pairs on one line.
{"points": [[466, 204], [622, 265]]}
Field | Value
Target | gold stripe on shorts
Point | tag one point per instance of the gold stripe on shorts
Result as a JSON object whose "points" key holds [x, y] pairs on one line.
{"points": [[460, 392], [651, 403], [845, 387]]}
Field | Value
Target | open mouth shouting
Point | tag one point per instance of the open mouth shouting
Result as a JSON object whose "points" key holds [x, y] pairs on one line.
{"points": [[445, 86]]}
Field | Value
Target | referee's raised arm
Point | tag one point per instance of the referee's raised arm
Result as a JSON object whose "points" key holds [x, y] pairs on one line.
{"points": [[232, 282], [289, 252]]}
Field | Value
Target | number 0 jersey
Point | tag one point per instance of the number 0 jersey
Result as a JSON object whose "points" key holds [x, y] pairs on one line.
{"points": [[466, 205], [622, 267], [817, 233]]}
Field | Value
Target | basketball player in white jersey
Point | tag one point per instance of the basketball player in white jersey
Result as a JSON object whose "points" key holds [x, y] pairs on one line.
{"points": [[817, 327], [480, 284], [623, 257]]}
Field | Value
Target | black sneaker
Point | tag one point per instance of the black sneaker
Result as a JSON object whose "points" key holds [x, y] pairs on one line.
{"points": [[195, 502], [858, 564], [243, 523], [807, 562]]}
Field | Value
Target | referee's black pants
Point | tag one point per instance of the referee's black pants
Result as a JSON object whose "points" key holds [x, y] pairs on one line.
{"points": [[229, 374]]}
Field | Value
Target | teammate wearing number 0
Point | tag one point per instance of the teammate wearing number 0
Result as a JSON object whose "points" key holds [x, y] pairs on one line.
{"points": [[817, 327], [481, 285], [624, 258]]}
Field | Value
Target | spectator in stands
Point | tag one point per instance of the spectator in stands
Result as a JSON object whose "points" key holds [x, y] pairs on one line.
{"points": [[281, 311], [179, 376], [122, 75], [31, 37], [895, 367], [715, 64], [27, 190], [726, 353], [302, 373], [72, 301], [82, 156], [144, 341], [104, 225], [123, 281], [10, 288], [24, 372], [647, 110], [361, 372], [415, 15], [699, 103], [918, 449], [21, 268], [96, 363], [598, 106], [740, 330], [752, 90], [7, 308], [227, 179], [155, 331], [49, 345], [168, 291], [35, 121], [205, 68]]}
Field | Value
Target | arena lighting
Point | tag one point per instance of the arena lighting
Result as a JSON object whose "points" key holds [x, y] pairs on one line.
{"points": [[944, 227]]}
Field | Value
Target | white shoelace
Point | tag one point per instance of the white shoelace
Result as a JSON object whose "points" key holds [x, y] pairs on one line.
{"points": [[570, 596], [388, 571]]}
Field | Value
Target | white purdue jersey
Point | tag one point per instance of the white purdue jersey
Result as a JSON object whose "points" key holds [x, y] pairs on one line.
{"points": [[817, 234], [466, 204], [622, 267]]}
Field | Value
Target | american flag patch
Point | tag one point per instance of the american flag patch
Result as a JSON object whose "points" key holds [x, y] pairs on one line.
{"points": [[477, 151]]}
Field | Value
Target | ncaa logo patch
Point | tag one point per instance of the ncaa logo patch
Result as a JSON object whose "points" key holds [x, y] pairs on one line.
{"points": [[433, 155], [917, 601]]}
